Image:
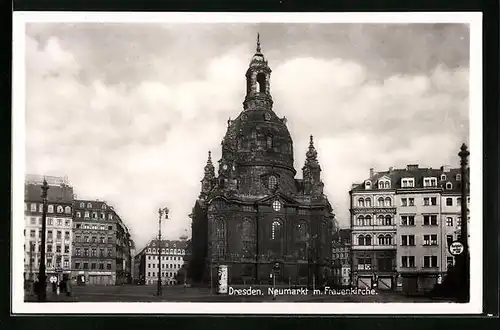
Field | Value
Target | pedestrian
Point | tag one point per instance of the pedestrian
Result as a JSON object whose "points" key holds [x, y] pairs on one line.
{"points": [[54, 287], [68, 287]]}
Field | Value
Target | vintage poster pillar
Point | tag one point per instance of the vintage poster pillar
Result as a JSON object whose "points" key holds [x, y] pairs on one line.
{"points": [[222, 279]]}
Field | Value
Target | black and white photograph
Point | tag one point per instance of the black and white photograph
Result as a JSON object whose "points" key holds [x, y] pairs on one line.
{"points": [[248, 163]]}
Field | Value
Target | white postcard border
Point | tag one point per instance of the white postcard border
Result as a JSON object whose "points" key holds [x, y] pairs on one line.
{"points": [[474, 19]]}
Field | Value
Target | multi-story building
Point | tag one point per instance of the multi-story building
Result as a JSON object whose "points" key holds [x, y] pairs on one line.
{"points": [[101, 244], [429, 220], [427, 212], [341, 257], [374, 232], [172, 260], [59, 237]]}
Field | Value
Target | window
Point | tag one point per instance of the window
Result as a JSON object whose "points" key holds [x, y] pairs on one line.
{"points": [[77, 251], [459, 177], [49, 221], [449, 221], [368, 185], [364, 263], [110, 216], [449, 201], [49, 248], [110, 227], [276, 205], [85, 265], [89, 205], [101, 266], [108, 266], [67, 209], [411, 201], [408, 261], [59, 235], [66, 249], [408, 240], [94, 215], [430, 220], [407, 183], [269, 142], [430, 182], [33, 207], [110, 252], [407, 220], [387, 220], [86, 252], [404, 202], [430, 261], [430, 240], [58, 248], [103, 215], [443, 177], [66, 235], [273, 182], [276, 230], [94, 252], [87, 214], [388, 202], [101, 252], [77, 265], [49, 234], [449, 186], [60, 209], [92, 265], [50, 209], [380, 201], [103, 206]]}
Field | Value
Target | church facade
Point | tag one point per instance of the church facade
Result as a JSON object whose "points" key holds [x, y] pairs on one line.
{"points": [[254, 216]]}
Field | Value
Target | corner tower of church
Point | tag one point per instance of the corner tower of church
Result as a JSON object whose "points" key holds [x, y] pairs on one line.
{"points": [[254, 215]]}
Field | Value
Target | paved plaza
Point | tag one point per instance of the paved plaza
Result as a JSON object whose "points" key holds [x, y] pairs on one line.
{"points": [[147, 293]]}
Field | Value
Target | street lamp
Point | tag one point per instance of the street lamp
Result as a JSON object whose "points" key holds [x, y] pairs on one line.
{"points": [[160, 213], [42, 278], [464, 257]]}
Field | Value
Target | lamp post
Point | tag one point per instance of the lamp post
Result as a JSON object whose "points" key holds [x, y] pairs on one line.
{"points": [[160, 213], [464, 257], [42, 278]]}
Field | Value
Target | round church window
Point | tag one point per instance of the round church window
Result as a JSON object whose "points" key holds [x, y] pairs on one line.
{"points": [[276, 206]]}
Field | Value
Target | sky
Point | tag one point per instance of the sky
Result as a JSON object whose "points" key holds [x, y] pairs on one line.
{"points": [[129, 111]]}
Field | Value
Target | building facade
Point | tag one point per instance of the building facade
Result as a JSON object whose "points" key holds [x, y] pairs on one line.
{"points": [[172, 260], [425, 203], [374, 232], [341, 257], [101, 249], [254, 216], [59, 236]]}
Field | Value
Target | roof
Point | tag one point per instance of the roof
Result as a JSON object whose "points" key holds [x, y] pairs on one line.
{"points": [[55, 193], [168, 244], [342, 236], [413, 171]]}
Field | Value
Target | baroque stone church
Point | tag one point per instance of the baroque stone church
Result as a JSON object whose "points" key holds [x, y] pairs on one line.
{"points": [[254, 216]]}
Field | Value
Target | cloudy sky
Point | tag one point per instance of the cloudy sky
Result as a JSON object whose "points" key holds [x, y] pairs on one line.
{"points": [[129, 111]]}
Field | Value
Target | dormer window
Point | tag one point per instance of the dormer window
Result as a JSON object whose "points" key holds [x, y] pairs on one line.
{"points": [[430, 182], [368, 185], [407, 182], [384, 184], [459, 177], [443, 177], [89, 205], [103, 206], [449, 186]]}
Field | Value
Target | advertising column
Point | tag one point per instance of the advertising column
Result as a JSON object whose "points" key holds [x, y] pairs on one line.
{"points": [[222, 279]]}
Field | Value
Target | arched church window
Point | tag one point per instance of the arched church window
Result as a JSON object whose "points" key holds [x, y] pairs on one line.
{"points": [[301, 231], [273, 181], [220, 230], [240, 143], [247, 237], [269, 141], [276, 229], [261, 83], [254, 134]]}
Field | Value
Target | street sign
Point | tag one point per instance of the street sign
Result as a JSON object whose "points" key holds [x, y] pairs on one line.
{"points": [[456, 248]]}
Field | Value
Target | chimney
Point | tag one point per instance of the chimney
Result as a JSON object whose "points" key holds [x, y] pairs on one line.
{"points": [[445, 168], [371, 172], [412, 167], [391, 169]]}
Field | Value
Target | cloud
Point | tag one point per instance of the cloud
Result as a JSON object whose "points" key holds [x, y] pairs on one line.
{"points": [[143, 144]]}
